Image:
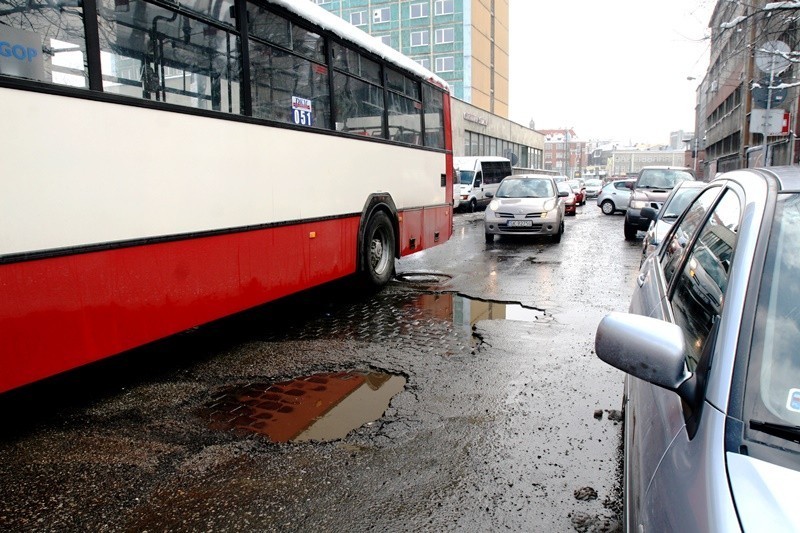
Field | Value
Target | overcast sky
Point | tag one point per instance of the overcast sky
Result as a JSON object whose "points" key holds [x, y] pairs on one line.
{"points": [[609, 69]]}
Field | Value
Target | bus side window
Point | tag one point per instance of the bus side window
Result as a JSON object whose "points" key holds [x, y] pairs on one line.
{"points": [[43, 41]]}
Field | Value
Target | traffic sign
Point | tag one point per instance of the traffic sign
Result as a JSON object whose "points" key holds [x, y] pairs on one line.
{"points": [[769, 121]]}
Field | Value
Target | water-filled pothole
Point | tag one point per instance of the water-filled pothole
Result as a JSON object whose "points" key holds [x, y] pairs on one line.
{"points": [[320, 407], [465, 311]]}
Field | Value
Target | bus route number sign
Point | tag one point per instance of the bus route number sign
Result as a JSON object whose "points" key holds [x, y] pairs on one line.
{"points": [[301, 111]]}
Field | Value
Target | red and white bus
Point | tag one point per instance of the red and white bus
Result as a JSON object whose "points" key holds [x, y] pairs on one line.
{"points": [[165, 164]]}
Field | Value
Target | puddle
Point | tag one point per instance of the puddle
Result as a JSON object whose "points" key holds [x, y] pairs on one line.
{"points": [[465, 311], [320, 407]]}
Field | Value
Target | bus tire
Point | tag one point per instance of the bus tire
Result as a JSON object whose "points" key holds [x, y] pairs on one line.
{"points": [[378, 251]]}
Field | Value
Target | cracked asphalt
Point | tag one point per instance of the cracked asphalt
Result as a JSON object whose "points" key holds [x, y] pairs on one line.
{"points": [[504, 423]]}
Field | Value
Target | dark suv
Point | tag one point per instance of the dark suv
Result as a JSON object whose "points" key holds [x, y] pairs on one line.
{"points": [[651, 189]]}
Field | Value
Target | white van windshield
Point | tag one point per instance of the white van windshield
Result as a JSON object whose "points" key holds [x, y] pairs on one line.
{"points": [[465, 177]]}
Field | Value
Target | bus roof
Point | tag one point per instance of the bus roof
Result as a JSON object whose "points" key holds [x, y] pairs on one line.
{"points": [[328, 21]]}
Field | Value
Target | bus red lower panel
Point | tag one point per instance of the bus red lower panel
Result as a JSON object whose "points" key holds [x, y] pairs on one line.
{"points": [[63, 312], [424, 228]]}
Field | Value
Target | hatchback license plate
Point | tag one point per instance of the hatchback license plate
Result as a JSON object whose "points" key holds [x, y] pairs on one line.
{"points": [[520, 223]]}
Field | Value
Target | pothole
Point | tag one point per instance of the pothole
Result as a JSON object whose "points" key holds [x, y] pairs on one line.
{"points": [[467, 311], [426, 278], [321, 407]]}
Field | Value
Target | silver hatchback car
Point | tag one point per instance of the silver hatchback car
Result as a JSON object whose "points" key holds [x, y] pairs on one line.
{"points": [[711, 348], [526, 204], [615, 196]]}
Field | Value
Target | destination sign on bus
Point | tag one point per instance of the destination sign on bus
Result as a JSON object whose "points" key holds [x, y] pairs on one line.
{"points": [[20, 53], [301, 111]]}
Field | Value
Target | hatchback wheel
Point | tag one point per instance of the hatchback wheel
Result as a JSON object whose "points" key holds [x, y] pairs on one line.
{"points": [[607, 207], [557, 236]]}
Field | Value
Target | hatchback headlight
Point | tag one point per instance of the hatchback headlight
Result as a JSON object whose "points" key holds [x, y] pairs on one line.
{"points": [[493, 205]]}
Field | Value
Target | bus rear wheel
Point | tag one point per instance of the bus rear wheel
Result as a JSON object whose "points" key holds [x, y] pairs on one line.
{"points": [[378, 251]]}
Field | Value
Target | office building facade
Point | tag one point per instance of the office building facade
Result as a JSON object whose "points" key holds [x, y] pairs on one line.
{"points": [[465, 42]]}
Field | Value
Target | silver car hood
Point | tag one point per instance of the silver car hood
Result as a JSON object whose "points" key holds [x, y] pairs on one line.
{"points": [[523, 205], [765, 494]]}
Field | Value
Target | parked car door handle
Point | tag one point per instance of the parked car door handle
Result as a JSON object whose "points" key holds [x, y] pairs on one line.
{"points": [[641, 278]]}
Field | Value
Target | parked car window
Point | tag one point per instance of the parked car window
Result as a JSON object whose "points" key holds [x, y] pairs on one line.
{"points": [[698, 296], [772, 392], [679, 239]]}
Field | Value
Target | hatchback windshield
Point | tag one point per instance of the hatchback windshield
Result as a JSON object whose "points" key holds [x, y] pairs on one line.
{"points": [[772, 394], [679, 203], [525, 188], [662, 178]]}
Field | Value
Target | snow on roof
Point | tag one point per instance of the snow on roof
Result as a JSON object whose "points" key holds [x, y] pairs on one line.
{"points": [[326, 20]]}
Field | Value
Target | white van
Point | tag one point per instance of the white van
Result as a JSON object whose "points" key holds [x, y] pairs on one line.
{"points": [[476, 176]]}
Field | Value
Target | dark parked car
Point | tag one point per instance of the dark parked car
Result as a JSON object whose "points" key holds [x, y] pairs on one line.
{"points": [[710, 346], [650, 190]]}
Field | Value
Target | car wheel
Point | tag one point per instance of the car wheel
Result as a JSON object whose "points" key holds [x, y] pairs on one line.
{"points": [[630, 232], [557, 236], [378, 251], [607, 207], [473, 205], [489, 238]]}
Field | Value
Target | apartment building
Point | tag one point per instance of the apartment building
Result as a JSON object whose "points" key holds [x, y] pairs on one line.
{"points": [[564, 152]]}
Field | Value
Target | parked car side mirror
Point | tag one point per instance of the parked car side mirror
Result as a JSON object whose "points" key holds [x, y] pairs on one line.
{"points": [[649, 213], [489, 195], [563, 194], [644, 347]]}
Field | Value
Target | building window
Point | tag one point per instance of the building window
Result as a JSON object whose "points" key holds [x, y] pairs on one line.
{"points": [[444, 7], [358, 18], [445, 64], [425, 62], [383, 14], [418, 11], [386, 39], [445, 35], [420, 38]]}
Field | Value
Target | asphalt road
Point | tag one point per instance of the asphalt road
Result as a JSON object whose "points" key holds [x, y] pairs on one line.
{"points": [[499, 416]]}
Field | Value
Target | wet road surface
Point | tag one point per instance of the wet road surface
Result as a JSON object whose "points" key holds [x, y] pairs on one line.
{"points": [[499, 415]]}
